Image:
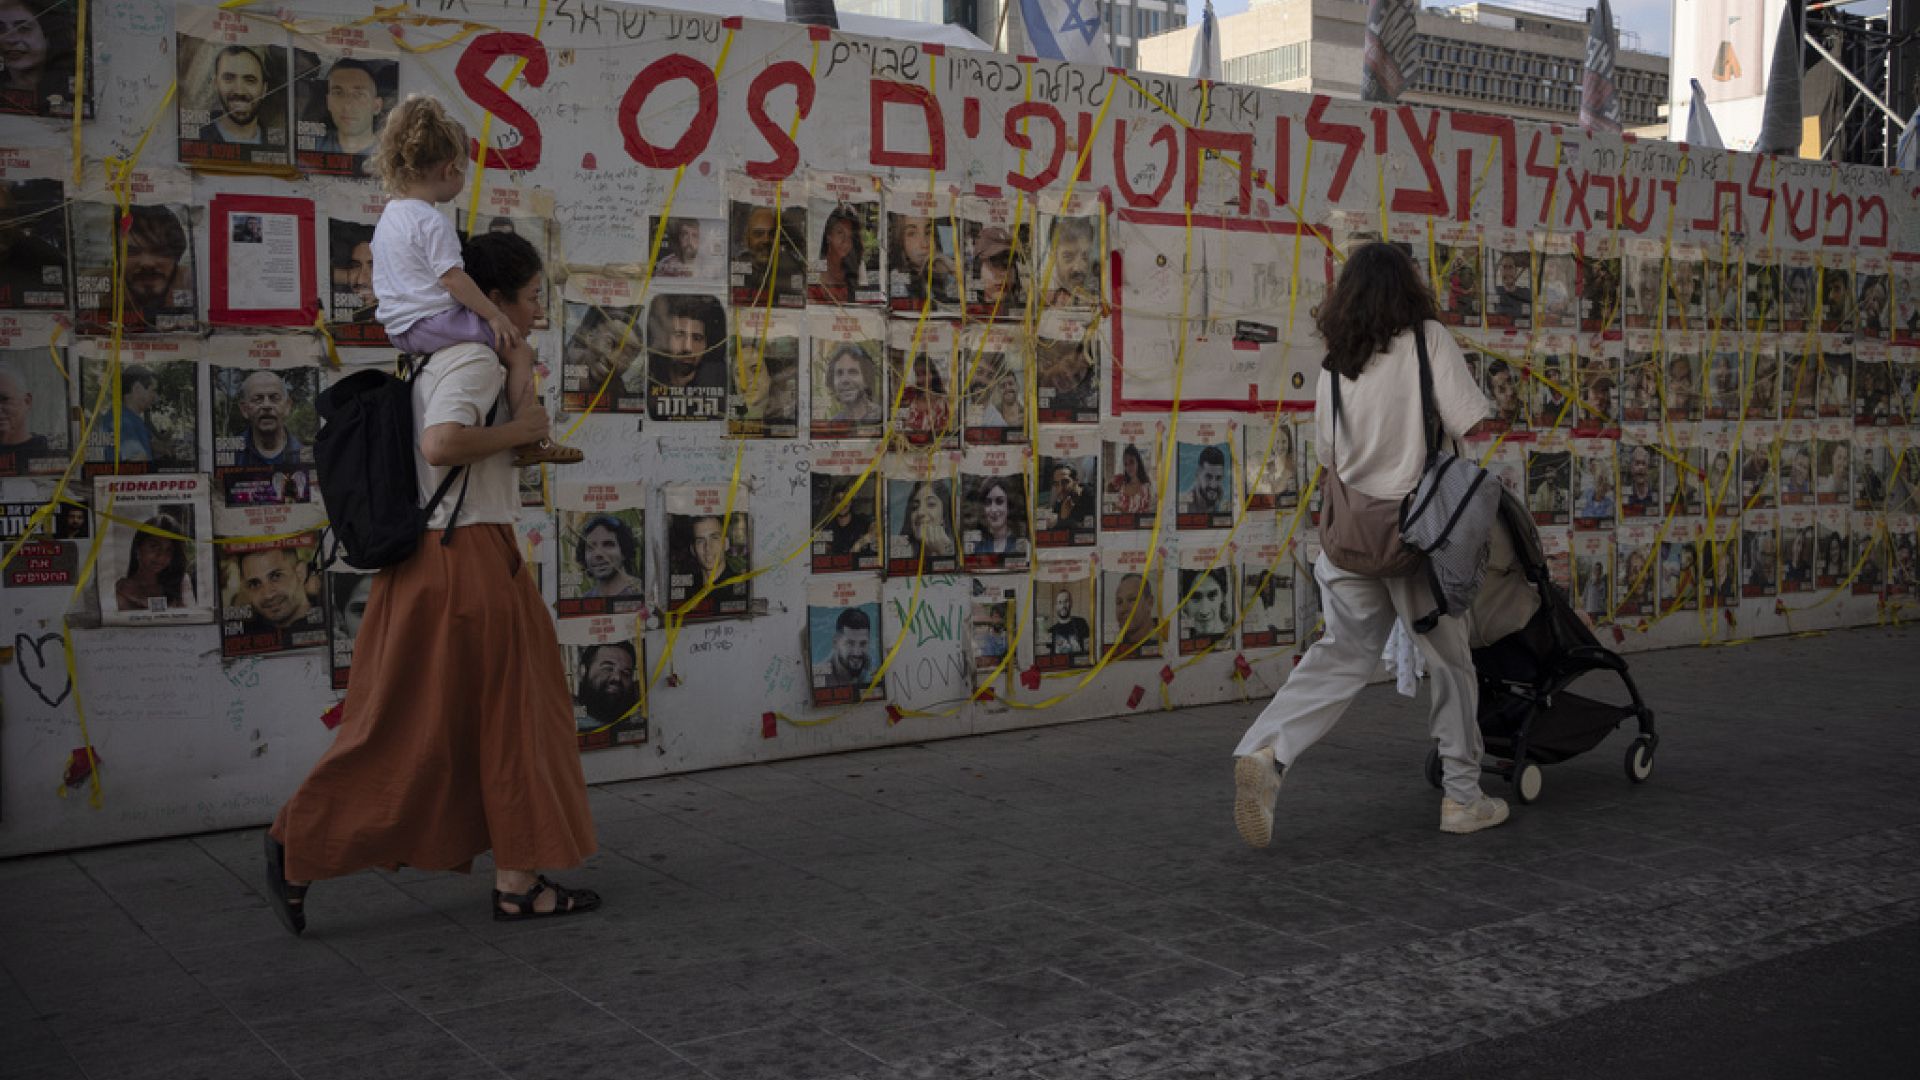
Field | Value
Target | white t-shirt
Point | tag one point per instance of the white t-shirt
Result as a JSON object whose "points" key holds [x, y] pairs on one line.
{"points": [[412, 246], [1381, 446], [458, 385]]}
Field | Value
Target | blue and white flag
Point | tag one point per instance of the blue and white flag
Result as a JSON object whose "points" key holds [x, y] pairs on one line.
{"points": [[1069, 30], [1206, 48], [1906, 153], [1701, 130]]}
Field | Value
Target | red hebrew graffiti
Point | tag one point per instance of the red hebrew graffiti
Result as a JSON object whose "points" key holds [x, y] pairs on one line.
{"points": [[881, 94], [1540, 165], [1121, 178], [1432, 199], [1020, 140], [1873, 206], [786, 153], [1349, 136], [1239, 143], [1795, 199], [699, 126], [471, 73], [1497, 127], [1843, 237]]}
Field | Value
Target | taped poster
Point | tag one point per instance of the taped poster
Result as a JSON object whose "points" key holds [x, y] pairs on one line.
{"points": [[606, 664], [687, 347], [1266, 592], [35, 435], [1903, 578], [1635, 558], [1763, 381], [1683, 469], [921, 538], [1725, 363], [1873, 404], [1903, 490], [1800, 375], [1640, 454], [344, 84], [1509, 280], [43, 75], [1834, 389], [156, 272], [693, 250], [352, 309], [52, 557], [264, 413], [602, 553], [843, 642], [846, 400], [1906, 303], [1592, 559], [1872, 467], [709, 551], [1763, 306], [1903, 370], [1799, 281], [159, 555], [232, 78], [1072, 265], [1718, 443], [1556, 547], [1796, 463], [1799, 546], [1644, 265], [1725, 295], [1069, 477], [1597, 382], [1833, 453], [1455, 275], [921, 363], [996, 241], [1836, 292], [1129, 451], [1553, 361], [1759, 550], [922, 251], [1556, 296], [33, 230], [768, 264], [599, 366], [1506, 381], [1066, 357], [1759, 462], [1270, 469], [1598, 262], [1130, 604], [1686, 292], [993, 613], [993, 358], [347, 594], [1593, 506], [844, 215], [1721, 554], [994, 505], [157, 426], [270, 597], [1680, 581], [1833, 565], [845, 502], [1550, 479], [764, 402], [261, 261], [1206, 616], [1873, 312], [1868, 552], [1206, 474], [1640, 390], [1064, 611], [1680, 394], [1506, 463]]}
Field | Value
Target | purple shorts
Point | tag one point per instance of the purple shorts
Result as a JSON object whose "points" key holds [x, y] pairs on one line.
{"points": [[454, 326]]}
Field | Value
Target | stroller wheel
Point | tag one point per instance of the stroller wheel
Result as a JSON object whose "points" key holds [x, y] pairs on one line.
{"points": [[1640, 760], [1433, 767], [1526, 783]]}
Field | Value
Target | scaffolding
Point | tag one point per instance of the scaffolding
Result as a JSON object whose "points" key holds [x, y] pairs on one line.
{"points": [[1875, 60]]}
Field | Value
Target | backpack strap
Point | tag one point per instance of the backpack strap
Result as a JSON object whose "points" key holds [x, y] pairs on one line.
{"points": [[461, 471], [1429, 412]]}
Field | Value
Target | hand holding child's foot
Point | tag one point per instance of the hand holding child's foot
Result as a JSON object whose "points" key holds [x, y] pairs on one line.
{"points": [[546, 452]]}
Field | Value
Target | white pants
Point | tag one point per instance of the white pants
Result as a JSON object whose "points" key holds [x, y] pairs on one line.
{"points": [[1360, 613]]}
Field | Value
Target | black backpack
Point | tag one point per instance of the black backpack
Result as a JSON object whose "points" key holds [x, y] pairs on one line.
{"points": [[364, 456]]}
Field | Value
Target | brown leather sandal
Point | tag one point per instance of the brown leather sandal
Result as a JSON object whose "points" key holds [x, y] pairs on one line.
{"points": [[566, 902], [289, 900]]}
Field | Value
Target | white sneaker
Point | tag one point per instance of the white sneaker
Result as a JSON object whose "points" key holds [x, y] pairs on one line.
{"points": [[1256, 785], [1482, 813]]}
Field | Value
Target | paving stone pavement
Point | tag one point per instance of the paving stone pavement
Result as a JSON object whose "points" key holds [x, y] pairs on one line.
{"points": [[1056, 904]]}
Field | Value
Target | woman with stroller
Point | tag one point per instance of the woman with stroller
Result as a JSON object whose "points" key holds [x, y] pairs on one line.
{"points": [[1368, 322]]}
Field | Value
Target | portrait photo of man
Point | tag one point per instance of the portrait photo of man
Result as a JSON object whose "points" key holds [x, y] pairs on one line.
{"points": [[606, 684], [266, 405], [602, 569], [279, 596], [704, 557], [1207, 613], [759, 277], [232, 99], [33, 422], [680, 248], [1068, 633], [1204, 489], [687, 357], [601, 347], [341, 102], [156, 269], [1075, 260], [350, 271], [850, 659]]}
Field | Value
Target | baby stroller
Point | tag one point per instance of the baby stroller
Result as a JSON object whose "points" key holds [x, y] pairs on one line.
{"points": [[1529, 646]]}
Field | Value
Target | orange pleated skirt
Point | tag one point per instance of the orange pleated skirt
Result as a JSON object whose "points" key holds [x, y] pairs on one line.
{"points": [[457, 735]]}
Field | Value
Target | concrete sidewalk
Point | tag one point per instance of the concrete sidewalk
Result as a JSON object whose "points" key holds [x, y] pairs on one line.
{"points": [[1065, 903]]}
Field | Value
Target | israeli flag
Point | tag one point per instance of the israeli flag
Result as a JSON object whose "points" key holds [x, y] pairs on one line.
{"points": [[1069, 30]]}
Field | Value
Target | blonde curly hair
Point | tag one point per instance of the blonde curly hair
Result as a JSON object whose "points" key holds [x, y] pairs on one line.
{"points": [[419, 137]]}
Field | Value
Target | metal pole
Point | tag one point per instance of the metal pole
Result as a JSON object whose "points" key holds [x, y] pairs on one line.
{"points": [[1852, 78]]}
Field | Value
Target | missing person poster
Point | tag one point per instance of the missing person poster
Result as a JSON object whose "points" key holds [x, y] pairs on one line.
{"points": [[763, 401], [1266, 591], [1837, 356], [1796, 463], [1269, 464], [157, 425], [1506, 382], [1686, 288], [344, 84], [1832, 563], [603, 329], [261, 262], [1683, 471], [923, 253], [33, 231], [1509, 280], [1872, 292], [1592, 577], [265, 418], [845, 366], [1556, 293], [1725, 297], [1069, 260], [844, 496], [994, 519], [1762, 294], [156, 560], [921, 538], [1866, 389], [1800, 366], [155, 278], [768, 262], [527, 214], [1063, 611], [1596, 383], [1799, 286], [1129, 460], [844, 241], [996, 245], [843, 642], [1639, 459], [270, 597], [1645, 268], [1759, 553], [693, 250], [347, 592], [1066, 366], [1456, 276], [1598, 261], [1550, 479], [1759, 458], [1726, 369], [1763, 382], [993, 615], [687, 356], [1799, 549], [1869, 553], [353, 312], [232, 98], [1682, 369], [607, 673], [1636, 570], [1556, 547], [993, 363], [1205, 474], [35, 435], [921, 358], [1873, 461], [1680, 577], [1130, 599], [1836, 292], [1722, 452], [1640, 392], [1067, 512], [1593, 492], [1906, 303], [1205, 619], [1833, 463], [1551, 384], [709, 551], [602, 548]]}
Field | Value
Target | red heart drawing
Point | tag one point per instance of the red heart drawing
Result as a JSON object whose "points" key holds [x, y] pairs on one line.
{"points": [[589, 162]]}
